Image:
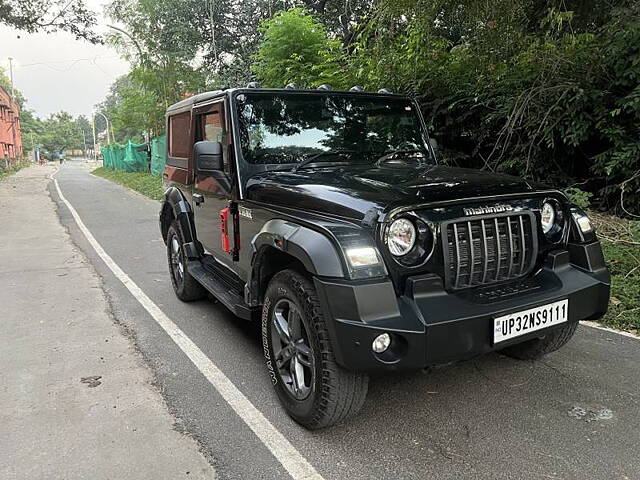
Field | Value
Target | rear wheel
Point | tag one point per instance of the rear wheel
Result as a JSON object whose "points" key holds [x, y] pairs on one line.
{"points": [[314, 390], [538, 347], [186, 287]]}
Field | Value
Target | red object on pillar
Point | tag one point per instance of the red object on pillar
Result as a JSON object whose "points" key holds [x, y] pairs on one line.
{"points": [[224, 229]]}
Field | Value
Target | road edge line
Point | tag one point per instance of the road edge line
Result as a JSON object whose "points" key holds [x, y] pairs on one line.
{"points": [[293, 462], [597, 326]]}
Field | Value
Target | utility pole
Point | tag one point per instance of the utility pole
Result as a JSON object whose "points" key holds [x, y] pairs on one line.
{"points": [[11, 75], [95, 148], [84, 139]]}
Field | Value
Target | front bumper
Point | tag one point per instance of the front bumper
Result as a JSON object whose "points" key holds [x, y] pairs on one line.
{"points": [[430, 326]]}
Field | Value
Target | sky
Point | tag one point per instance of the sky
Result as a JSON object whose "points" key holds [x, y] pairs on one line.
{"points": [[57, 72]]}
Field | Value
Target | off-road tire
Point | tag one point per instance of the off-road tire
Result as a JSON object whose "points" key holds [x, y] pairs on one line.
{"points": [[538, 347], [336, 393], [186, 287]]}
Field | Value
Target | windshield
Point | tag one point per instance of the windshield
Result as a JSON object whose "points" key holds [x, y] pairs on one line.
{"points": [[292, 127]]}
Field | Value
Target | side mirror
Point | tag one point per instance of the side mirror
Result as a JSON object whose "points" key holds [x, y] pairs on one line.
{"points": [[208, 156]]}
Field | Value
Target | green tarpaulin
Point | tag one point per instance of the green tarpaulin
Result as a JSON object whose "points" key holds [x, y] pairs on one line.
{"points": [[131, 157], [158, 155]]}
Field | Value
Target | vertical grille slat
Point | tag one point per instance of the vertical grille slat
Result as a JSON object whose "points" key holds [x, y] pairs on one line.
{"points": [[472, 257], [496, 236], [523, 251], [458, 262], [510, 246], [488, 250]]}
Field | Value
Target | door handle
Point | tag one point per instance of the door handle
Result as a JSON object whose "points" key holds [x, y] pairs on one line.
{"points": [[197, 198]]}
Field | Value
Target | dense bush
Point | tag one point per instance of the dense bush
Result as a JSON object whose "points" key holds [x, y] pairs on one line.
{"points": [[522, 87]]}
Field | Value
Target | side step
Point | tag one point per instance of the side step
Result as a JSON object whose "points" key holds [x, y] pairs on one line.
{"points": [[218, 289]]}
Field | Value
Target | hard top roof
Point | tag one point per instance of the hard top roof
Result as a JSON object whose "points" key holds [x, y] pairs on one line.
{"points": [[204, 96]]}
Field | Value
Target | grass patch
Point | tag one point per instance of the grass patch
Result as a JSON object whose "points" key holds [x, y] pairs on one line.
{"points": [[141, 182], [621, 245], [5, 172]]}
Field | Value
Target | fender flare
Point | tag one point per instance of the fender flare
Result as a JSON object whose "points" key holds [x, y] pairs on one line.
{"points": [[182, 212], [313, 249]]}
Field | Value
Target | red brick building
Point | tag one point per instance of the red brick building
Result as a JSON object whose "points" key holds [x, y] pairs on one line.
{"points": [[10, 133]]}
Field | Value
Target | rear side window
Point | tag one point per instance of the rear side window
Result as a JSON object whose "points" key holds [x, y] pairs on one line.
{"points": [[179, 135]]}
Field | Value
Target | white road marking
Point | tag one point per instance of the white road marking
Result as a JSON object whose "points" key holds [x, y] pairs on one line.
{"points": [[587, 323], [293, 462]]}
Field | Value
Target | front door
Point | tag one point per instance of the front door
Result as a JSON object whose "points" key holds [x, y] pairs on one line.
{"points": [[210, 197]]}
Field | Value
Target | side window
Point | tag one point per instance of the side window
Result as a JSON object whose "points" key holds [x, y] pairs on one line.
{"points": [[212, 127], [179, 135]]}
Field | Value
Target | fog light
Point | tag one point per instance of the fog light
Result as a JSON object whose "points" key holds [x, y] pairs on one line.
{"points": [[381, 343], [362, 256]]}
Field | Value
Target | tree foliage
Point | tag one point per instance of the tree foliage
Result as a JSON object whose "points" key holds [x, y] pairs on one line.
{"points": [[296, 49], [179, 48], [60, 132], [526, 87], [71, 16], [544, 88]]}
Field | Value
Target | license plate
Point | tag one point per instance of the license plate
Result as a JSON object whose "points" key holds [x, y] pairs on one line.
{"points": [[526, 321]]}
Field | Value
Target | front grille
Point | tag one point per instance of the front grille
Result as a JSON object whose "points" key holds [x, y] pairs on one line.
{"points": [[486, 250]]}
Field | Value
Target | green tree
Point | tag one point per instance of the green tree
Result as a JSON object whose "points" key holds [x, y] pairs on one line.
{"points": [[71, 16], [296, 48], [32, 128], [60, 132]]}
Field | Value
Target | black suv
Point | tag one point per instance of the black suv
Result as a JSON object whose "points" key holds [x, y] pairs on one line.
{"points": [[326, 216]]}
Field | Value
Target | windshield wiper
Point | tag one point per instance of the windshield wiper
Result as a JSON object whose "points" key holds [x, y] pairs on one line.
{"points": [[316, 156]]}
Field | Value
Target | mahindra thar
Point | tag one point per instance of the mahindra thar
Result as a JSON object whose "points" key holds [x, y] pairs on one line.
{"points": [[325, 216]]}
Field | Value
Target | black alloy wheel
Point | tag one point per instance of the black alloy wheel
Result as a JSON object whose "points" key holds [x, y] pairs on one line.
{"points": [[293, 355], [313, 389]]}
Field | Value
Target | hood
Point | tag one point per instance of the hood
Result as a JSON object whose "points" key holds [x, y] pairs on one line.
{"points": [[354, 190]]}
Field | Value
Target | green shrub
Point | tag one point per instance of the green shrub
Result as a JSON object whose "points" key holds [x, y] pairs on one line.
{"points": [[579, 197]]}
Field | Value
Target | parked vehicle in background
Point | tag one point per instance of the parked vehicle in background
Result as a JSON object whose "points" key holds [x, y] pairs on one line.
{"points": [[326, 216]]}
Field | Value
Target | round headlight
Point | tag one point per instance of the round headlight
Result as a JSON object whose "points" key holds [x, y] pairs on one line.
{"points": [[547, 217], [401, 237]]}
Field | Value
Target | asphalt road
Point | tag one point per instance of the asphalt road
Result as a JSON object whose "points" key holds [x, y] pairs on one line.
{"points": [[574, 415]]}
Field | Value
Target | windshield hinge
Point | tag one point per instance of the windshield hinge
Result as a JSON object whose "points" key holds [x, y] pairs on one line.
{"points": [[370, 217]]}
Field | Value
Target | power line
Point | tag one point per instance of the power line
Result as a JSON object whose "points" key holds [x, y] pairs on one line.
{"points": [[72, 61]]}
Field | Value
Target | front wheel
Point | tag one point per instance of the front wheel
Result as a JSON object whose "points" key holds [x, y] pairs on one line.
{"points": [[314, 390]]}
